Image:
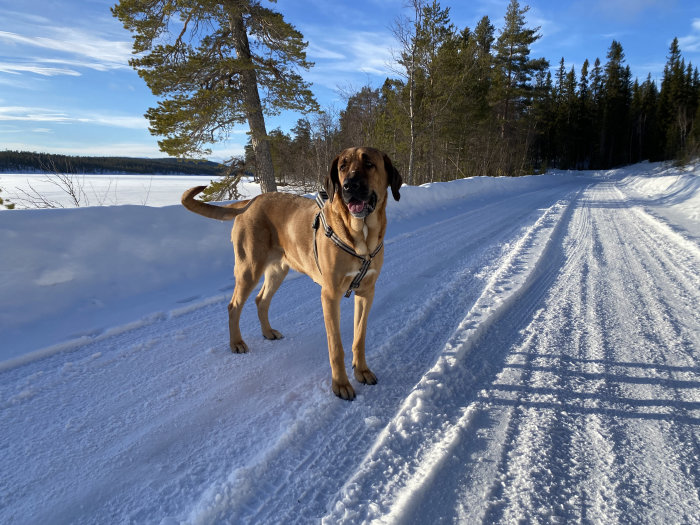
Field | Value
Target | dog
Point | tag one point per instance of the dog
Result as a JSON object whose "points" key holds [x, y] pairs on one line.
{"points": [[277, 231]]}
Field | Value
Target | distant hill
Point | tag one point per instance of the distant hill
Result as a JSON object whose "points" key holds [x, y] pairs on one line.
{"points": [[23, 161]]}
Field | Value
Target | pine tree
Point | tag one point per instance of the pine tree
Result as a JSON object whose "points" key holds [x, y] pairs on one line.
{"points": [[544, 115], [444, 71], [301, 152], [423, 60], [615, 108], [483, 39], [644, 143], [390, 133], [571, 120], [482, 129], [208, 61], [678, 102], [671, 87], [514, 68], [586, 119], [358, 120]]}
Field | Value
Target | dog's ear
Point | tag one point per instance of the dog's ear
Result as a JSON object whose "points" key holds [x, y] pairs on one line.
{"points": [[332, 182], [395, 180]]}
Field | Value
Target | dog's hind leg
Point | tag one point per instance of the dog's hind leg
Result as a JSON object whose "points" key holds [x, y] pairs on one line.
{"points": [[246, 279], [274, 275]]}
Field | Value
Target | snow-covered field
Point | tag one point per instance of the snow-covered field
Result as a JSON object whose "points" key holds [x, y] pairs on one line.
{"points": [[103, 190], [536, 340]]}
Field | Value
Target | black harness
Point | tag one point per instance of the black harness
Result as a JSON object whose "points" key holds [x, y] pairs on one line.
{"points": [[320, 218]]}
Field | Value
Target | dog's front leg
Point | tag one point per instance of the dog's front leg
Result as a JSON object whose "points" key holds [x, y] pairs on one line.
{"points": [[330, 299], [363, 304]]}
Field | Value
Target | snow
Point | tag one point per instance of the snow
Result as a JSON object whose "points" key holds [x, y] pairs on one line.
{"points": [[104, 190], [536, 341]]}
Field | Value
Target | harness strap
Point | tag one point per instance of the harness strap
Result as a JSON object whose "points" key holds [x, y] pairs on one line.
{"points": [[320, 218], [363, 270]]}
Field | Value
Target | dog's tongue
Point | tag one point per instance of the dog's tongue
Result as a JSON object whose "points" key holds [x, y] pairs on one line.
{"points": [[356, 206]]}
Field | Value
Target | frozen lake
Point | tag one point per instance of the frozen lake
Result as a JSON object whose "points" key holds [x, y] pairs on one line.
{"points": [[103, 190]]}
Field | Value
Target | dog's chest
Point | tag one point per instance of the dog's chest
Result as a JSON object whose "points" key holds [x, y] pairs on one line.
{"points": [[365, 234]]}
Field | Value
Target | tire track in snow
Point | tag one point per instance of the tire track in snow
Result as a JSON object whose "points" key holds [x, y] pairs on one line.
{"points": [[415, 445], [604, 388], [536, 448], [661, 299], [547, 469]]}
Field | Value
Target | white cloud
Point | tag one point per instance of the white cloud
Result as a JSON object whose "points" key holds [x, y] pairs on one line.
{"points": [[63, 46], [316, 52], [691, 43], [27, 114], [32, 114], [16, 69], [20, 17], [346, 56], [104, 149], [117, 121]]}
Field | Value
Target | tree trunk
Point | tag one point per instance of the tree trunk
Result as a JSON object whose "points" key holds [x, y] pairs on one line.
{"points": [[253, 106], [412, 119]]}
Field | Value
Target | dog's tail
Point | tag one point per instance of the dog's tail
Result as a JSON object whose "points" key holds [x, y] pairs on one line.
{"points": [[223, 213]]}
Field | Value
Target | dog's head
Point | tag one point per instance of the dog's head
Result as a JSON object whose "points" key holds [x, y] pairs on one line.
{"points": [[360, 177]]}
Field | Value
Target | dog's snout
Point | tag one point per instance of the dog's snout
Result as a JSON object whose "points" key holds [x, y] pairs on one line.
{"points": [[351, 184]]}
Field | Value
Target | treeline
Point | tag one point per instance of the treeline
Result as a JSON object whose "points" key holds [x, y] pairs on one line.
{"points": [[470, 102], [22, 161]]}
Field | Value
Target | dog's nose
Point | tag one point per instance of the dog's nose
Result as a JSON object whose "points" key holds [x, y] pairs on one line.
{"points": [[351, 184]]}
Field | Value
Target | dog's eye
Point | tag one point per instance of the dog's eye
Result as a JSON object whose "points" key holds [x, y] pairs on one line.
{"points": [[342, 167], [369, 165]]}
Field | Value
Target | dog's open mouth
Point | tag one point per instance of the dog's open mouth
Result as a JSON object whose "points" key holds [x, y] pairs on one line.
{"points": [[356, 207], [361, 209]]}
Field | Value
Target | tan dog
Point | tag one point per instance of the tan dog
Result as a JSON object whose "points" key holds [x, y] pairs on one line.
{"points": [[273, 232]]}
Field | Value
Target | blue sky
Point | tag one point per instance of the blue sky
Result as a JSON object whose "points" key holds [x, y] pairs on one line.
{"points": [[66, 87]]}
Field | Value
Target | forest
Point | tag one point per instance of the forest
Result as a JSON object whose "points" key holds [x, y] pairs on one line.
{"points": [[473, 102], [23, 161], [460, 103]]}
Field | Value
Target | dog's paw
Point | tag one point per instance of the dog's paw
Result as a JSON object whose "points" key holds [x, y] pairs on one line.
{"points": [[272, 334], [239, 347], [365, 376], [343, 391]]}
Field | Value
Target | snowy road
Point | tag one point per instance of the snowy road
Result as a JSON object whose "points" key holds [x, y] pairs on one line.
{"points": [[537, 356]]}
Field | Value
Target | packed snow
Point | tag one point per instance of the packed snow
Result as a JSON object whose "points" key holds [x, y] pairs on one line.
{"points": [[536, 341]]}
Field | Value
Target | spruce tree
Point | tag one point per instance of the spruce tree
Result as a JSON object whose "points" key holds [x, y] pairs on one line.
{"points": [[514, 68], [615, 108], [544, 114], [358, 120], [586, 118], [644, 125], [423, 61], [479, 79], [391, 126], [672, 103], [208, 63]]}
